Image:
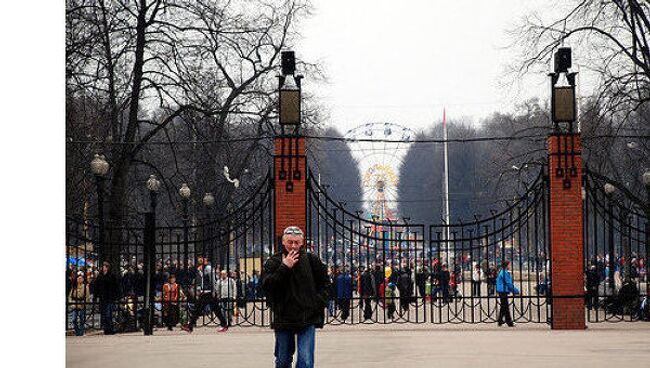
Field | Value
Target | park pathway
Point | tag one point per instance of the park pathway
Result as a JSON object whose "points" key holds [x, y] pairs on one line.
{"points": [[602, 345]]}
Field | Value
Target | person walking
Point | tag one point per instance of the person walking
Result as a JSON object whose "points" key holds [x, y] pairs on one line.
{"points": [[106, 290], [344, 293], [78, 299], [205, 295], [295, 283], [504, 288]]}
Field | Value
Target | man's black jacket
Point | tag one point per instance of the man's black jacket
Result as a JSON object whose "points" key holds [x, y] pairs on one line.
{"points": [[106, 288], [297, 295]]}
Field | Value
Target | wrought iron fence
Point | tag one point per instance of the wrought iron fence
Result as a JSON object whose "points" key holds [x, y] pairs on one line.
{"points": [[617, 244], [381, 271], [84, 254], [236, 242]]}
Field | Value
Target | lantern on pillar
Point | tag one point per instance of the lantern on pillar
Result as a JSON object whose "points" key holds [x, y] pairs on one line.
{"points": [[563, 99], [289, 91], [564, 104]]}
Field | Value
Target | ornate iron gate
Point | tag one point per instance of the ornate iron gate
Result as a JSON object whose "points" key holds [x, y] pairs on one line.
{"points": [[474, 252], [362, 248], [399, 270]]}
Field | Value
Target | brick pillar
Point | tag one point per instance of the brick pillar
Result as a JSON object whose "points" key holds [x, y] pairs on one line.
{"points": [[567, 262], [290, 190]]}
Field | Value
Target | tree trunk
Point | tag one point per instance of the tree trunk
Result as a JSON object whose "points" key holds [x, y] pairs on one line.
{"points": [[116, 214], [124, 157]]}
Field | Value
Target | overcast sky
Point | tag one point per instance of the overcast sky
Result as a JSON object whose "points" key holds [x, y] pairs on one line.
{"points": [[402, 61]]}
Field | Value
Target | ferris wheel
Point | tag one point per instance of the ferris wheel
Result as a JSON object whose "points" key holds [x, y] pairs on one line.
{"points": [[379, 149]]}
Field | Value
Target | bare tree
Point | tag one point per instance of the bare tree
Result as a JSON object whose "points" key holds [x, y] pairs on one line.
{"points": [[611, 40], [158, 70]]}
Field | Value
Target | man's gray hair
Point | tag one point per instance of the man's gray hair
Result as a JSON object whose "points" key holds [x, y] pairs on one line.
{"points": [[293, 230]]}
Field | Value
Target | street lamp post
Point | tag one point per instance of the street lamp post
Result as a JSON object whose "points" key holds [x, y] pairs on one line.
{"points": [[99, 167], [153, 185], [351, 222], [185, 194], [609, 192], [208, 202], [646, 183], [232, 246], [626, 243]]}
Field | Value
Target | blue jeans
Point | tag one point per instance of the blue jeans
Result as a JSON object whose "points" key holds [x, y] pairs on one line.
{"points": [[106, 310], [285, 346], [79, 321]]}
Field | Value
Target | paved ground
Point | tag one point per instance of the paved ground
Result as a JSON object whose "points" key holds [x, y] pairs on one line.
{"points": [[603, 345]]}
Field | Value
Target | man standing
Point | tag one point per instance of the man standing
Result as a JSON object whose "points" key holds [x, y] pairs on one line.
{"points": [[295, 283], [443, 278], [227, 294], [477, 277], [505, 287], [106, 290], [405, 287], [421, 274], [367, 291], [593, 281]]}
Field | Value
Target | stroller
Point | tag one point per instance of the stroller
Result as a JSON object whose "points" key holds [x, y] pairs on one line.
{"points": [[626, 302], [128, 316]]}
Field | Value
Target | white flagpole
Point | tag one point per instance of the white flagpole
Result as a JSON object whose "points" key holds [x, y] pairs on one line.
{"points": [[445, 197]]}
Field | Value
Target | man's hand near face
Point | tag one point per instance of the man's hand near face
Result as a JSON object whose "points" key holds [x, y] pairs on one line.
{"points": [[291, 259]]}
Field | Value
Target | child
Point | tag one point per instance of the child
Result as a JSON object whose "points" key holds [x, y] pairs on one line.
{"points": [[427, 289], [171, 296], [390, 294], [491, 280]]}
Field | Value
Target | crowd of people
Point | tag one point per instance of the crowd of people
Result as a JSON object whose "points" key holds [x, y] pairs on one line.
{"points": [[183, 293], [400, 285], [605, 282]]}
